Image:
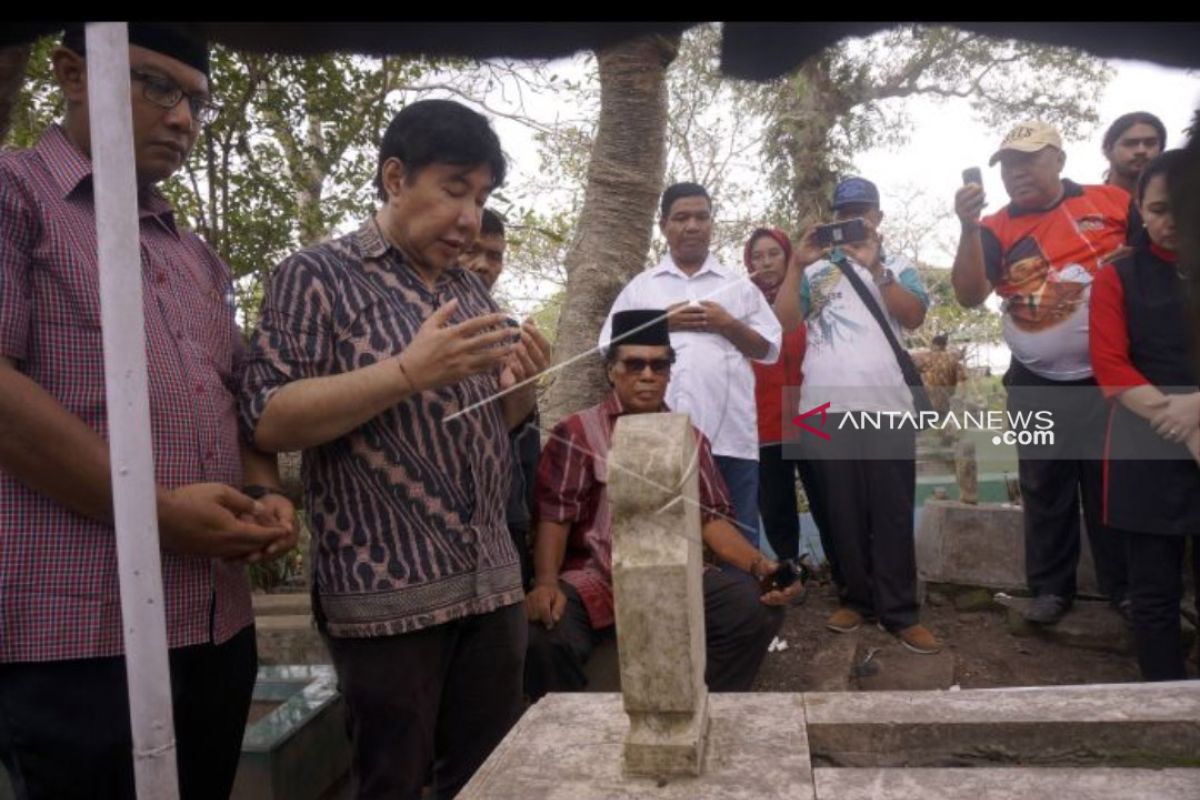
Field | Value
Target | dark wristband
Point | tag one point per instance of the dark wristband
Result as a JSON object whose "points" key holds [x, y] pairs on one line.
{"points": [[258, 492]]}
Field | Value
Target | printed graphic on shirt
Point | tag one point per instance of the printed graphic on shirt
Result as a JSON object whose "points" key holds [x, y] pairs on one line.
{"points": [[834, 325], [1036, 296]]}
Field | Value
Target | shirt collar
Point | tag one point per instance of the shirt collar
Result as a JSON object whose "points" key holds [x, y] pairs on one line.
{"points": [[1170, 256], [1070, 189], [375, 245], [67, 165], [668, 267], [71, 170], [370, 239], [611, 406]]}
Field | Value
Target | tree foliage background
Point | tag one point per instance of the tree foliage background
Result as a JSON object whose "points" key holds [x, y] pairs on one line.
{"points": [[292, 157]]}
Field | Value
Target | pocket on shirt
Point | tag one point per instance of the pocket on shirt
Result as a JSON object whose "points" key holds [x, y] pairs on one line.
{"points": [[218, 332], [371, 329], [59, 302]]}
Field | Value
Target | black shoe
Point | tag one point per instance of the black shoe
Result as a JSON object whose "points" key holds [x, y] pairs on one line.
{"points": [[1047, 609]]}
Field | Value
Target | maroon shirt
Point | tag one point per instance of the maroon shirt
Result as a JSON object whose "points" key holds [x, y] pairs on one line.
{"points": [[572, 487], [59, 595]]}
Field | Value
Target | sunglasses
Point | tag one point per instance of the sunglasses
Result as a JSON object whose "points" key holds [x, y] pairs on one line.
{"points": [[659, 366]]}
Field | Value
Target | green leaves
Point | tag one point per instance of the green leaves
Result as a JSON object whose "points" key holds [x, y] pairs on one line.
{"points": [[850, 98]]}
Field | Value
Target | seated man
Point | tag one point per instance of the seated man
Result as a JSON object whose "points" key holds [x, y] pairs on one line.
{"points": [[570, 607]]}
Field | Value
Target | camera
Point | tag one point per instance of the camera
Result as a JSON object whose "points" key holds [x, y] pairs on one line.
{"points": [[782, 578], [973, 175], [839, 233]]}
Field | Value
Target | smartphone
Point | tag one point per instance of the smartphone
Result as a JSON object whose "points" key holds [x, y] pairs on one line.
{"points": [[783, 577], [838, 233], [973, 175]]}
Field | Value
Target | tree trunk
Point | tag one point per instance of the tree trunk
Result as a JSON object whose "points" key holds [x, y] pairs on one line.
{"points": [[625, 176], [810, 109], [12, 74], [310, 184]]}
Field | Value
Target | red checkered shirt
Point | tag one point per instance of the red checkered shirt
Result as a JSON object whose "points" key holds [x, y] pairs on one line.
{"points": [[59, 596], [572, 488]]}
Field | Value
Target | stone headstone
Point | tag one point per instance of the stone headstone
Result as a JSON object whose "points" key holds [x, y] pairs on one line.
{"points": [[983, 545], [657, 566]]}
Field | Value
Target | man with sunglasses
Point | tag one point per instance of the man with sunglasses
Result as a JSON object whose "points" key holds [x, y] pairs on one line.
{"points": [[64, 705], [570, 606], [720, 323]]}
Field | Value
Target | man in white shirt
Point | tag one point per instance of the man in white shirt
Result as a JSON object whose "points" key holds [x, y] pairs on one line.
{"points": [[719, 321]]}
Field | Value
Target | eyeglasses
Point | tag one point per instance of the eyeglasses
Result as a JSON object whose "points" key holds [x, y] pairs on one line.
{"points": [[659, 366], [165, 93]]}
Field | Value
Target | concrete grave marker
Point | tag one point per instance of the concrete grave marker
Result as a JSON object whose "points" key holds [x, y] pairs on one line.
{"points": [[657, 566]]}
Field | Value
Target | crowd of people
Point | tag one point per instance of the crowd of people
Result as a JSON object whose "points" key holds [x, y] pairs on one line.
{"points": [[462, 566]]}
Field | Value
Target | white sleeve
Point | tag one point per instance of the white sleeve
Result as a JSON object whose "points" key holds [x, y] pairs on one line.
{"points": [[762, 320]]}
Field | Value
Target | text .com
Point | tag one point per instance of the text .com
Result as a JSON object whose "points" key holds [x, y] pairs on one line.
{"points": [[1026, 428]]}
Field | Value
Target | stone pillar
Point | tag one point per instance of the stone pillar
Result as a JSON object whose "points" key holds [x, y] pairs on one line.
{"points": [[657, 565], [966, 470]]}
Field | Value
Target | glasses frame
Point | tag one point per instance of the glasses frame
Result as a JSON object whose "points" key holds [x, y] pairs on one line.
{"points": [[166, 94]]}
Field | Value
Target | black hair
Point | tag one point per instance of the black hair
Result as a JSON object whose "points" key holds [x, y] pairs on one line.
{"points": [[1166, 163], [493, 224], [440, 131], [678, 191], [941, 339], [1127, 121]]}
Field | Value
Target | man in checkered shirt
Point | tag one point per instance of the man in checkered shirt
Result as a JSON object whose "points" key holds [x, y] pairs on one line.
{"points": [[64, 714]]}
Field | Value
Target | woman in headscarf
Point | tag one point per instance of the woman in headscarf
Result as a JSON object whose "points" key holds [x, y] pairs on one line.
{"points": [[766, 257]]}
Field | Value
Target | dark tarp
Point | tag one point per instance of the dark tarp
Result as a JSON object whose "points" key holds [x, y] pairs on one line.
{"points": [[755, 50]]}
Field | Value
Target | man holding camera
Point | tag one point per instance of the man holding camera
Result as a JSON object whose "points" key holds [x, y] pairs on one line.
{"points": [[570, 607], [866, 479], [1039, 254]]}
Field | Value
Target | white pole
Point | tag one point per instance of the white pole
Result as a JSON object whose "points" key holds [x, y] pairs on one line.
{"points": [[130, 454]]}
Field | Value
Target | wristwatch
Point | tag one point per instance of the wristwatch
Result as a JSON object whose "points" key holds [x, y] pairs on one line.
{"points": [[886, 278], [258, 492]]}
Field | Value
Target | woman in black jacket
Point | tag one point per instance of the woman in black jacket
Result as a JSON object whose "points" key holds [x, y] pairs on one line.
{"points": [[1143, 357]]}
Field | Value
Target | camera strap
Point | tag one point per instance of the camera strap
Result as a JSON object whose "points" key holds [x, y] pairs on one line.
{"points": [[908, 367]]}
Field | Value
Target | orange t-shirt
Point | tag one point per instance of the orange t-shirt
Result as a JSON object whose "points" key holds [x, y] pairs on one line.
{"points": [[1041, 264]]}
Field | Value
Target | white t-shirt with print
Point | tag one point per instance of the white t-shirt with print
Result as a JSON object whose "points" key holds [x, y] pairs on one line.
{"points": [[848, 361]]}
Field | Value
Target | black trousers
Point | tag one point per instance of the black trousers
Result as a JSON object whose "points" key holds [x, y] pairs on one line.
{"points": [[738, 629], [777, 503], [1051, 487], [1155, 588], [444, 695], [868, 506], [519, 532], [777, 500], [65, 733]]}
